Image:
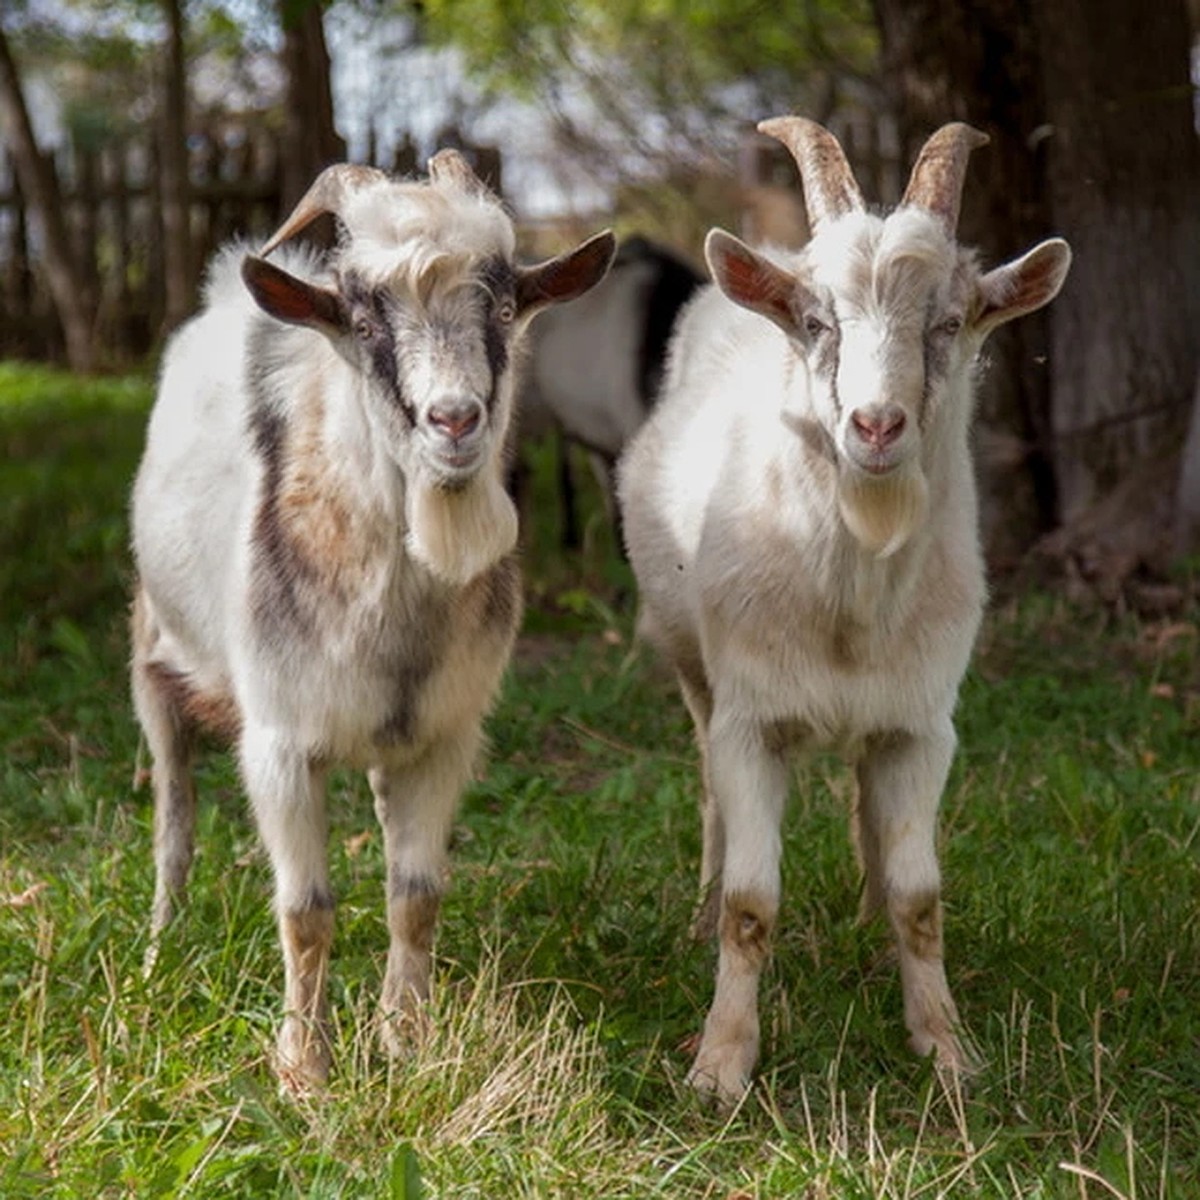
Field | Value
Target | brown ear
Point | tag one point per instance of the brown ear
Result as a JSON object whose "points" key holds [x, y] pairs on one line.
{"points": [[566, 277], [293, 300], [752, 281], [1024, 285]]}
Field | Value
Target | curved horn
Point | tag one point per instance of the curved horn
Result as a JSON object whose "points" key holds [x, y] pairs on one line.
{"points": [[936, 182], [326, 195], [450, 167], [829, 187]]}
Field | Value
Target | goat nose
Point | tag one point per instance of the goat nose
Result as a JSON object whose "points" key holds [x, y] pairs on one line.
{"points": [[457, 418], [879, 427]]}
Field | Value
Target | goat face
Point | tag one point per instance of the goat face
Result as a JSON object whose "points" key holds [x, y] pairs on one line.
{"points": [[433, 347], [885, 318], [437, 360]]}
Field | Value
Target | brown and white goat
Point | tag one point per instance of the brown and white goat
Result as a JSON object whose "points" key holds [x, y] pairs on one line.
{"points": [[800, 512], [324, 548]]}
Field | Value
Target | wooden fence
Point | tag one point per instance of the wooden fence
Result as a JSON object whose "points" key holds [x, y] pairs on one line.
{"points": [[113, 208], [114, 213]]}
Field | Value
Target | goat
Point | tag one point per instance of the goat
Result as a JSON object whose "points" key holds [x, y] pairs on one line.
{"points": [[324, 549], [800, 513], [595, 366]]}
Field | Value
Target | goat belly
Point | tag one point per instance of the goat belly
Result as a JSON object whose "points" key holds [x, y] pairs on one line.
{"points": [[812, 699]]}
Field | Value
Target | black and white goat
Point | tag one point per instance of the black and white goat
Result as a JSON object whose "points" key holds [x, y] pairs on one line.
{"points": [[595, 366], [324, 548], [800, 512]]}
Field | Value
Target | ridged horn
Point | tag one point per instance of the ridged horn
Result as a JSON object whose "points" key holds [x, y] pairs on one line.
{"points": [[327, 195], [936, 182], [830, 189], [449, 166]]}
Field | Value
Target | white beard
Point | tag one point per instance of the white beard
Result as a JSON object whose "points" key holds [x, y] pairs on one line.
{"points": [[458, 533], [883, 513]]}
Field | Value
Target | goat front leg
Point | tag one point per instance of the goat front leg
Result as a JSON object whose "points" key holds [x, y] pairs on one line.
{"points": [[288, 794], [749, 786], [900, 782], [415, 804]]}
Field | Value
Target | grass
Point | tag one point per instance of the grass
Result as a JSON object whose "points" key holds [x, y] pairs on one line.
{"points": [[566, 984]]}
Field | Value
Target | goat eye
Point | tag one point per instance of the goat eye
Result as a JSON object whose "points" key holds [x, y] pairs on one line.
{"points": [[364, 328], [952, 325], [506, 312], [814, 326]]}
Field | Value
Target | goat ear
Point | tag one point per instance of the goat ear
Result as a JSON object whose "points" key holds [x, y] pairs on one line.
{"points": [[751, 280], [1024, 285], [293, 300], [566, 277]]}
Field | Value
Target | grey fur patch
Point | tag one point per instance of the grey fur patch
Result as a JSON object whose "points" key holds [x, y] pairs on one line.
{"points": [[408, 667], [502, 600], [411, 887]]}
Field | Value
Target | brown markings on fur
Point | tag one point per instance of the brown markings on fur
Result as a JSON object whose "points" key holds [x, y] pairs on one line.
{"points": [[918, 922], [306, 536], [215, 711], [746, 924], [322, 529], [307, 936], [413, 917], [846, 643]]}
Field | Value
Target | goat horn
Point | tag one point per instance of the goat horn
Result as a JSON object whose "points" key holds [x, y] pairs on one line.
{"points": [[450, 167], [829, 186], [936, 182], [327, 194]]}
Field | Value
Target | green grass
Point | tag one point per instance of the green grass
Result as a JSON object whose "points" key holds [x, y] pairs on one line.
{"points": [[566, 983]]}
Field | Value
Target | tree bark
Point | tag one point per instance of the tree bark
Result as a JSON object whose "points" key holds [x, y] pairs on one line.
{"points": [[173, 162], [1088, 103], [74, 298], [311, 142]]}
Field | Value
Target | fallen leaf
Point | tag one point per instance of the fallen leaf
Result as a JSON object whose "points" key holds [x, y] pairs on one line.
{"points": [[1163, 691], [355, 845], [27, 897]]}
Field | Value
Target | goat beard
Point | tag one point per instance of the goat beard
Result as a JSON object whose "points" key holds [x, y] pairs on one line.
{"points": [[458, 533], [883, 512]]}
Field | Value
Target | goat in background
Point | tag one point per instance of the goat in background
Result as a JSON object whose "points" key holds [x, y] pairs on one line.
{"points": [[595, 367]]}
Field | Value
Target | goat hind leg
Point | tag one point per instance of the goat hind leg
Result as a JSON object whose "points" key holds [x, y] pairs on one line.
{"points": [[170, 745], [712, 855]]}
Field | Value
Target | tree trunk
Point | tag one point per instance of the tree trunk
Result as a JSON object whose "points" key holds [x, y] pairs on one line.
{"points": [[1124, 185], [1088, 103], [74, 298], [310, 140], [173, 162]]}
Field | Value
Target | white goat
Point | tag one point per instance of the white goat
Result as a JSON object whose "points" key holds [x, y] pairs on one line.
{"points": [[800, 513], [324, 548]]}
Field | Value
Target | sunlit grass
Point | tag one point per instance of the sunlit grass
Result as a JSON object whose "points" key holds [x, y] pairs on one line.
{"points": [[566, 983]]}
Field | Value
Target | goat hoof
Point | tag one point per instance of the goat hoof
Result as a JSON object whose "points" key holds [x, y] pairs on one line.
{"points": [[953, 1061], [402, 1031], [302, 1057], [722, 1073]]}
